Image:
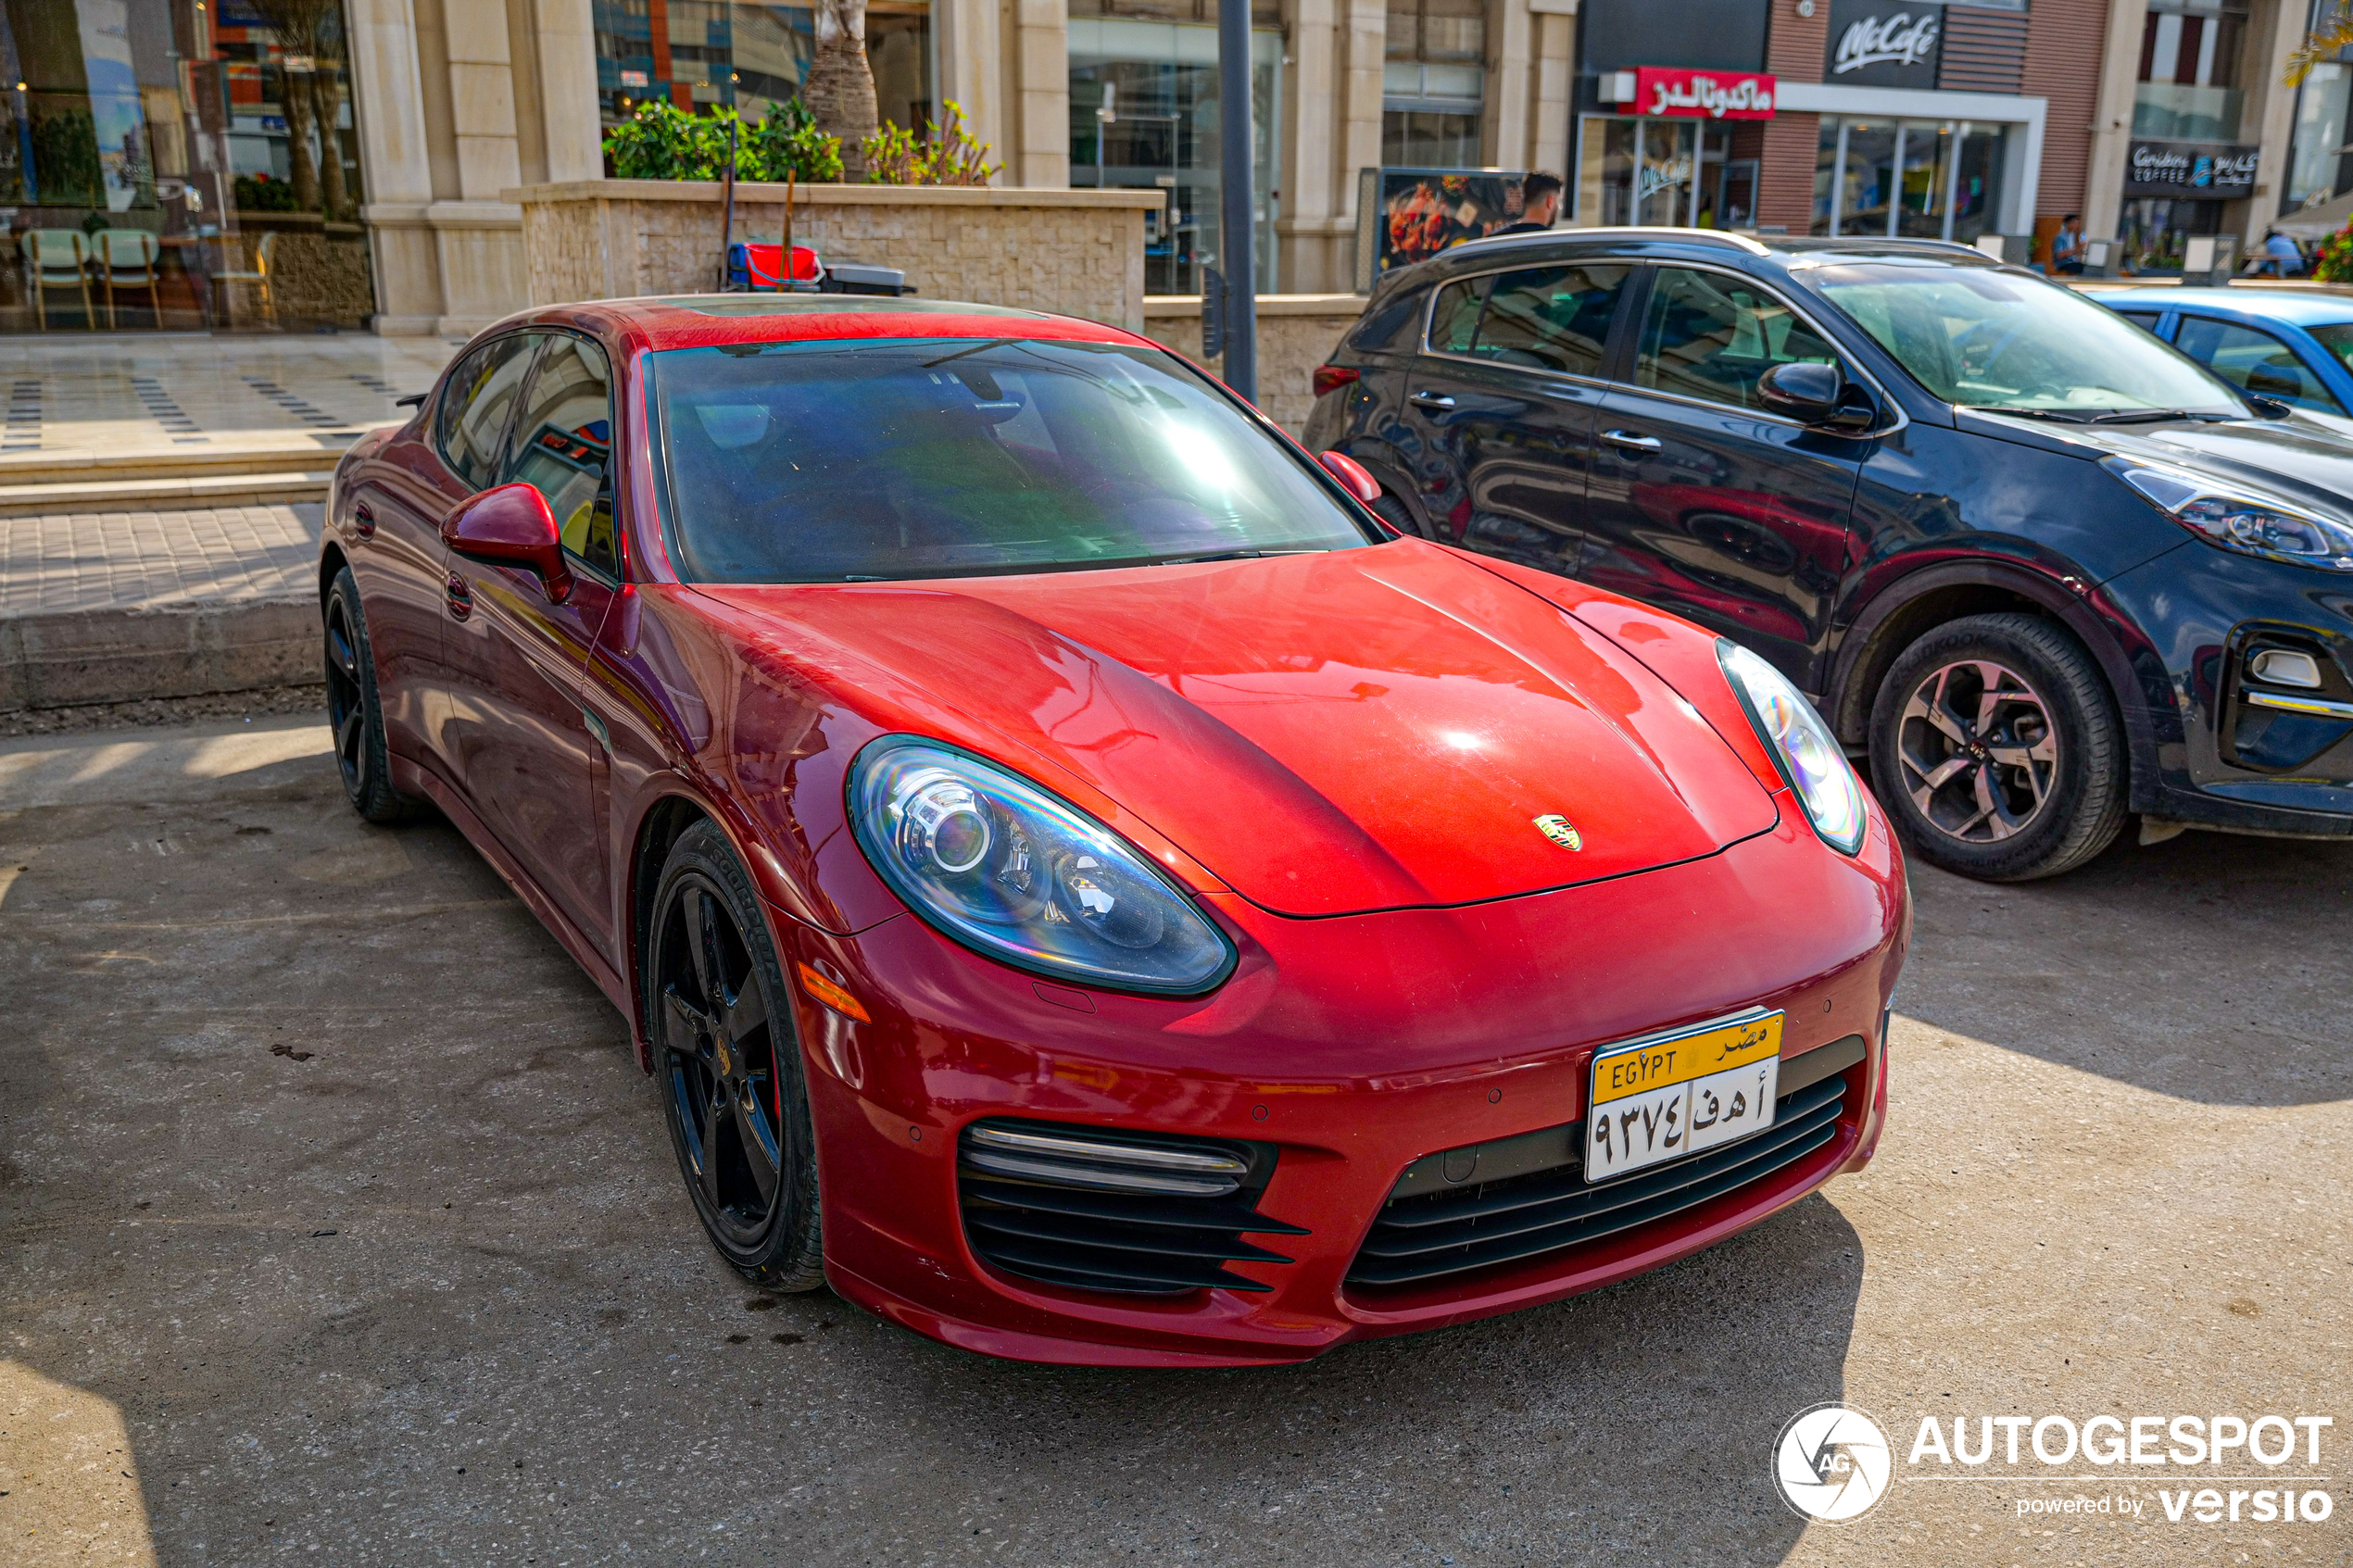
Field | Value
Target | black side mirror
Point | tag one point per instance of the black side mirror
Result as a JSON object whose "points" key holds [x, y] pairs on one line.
{"points": [[1816, 395]]}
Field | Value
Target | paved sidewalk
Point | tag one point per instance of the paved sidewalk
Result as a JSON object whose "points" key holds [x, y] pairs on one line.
{"points": [[110, 606], [68, 393]]}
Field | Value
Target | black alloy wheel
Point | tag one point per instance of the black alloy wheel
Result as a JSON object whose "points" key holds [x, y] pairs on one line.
{"points": [[729, 1064], [354, 710], [1997, 752]]}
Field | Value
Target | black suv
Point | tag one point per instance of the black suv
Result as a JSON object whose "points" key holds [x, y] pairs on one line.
{"points": [[2049, 570]]}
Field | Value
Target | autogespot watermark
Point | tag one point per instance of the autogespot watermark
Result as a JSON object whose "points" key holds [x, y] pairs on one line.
{"points": [[1834, 1463]]}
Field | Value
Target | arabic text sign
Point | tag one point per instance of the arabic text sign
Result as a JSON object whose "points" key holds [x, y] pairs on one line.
{"points": [[1695, 94], [2206, 170]]}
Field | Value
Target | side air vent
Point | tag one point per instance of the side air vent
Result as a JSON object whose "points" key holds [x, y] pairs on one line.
{"points": [[1448, 1215], [1097, 1209]]}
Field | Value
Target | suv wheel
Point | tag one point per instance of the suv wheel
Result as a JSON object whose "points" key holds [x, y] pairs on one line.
{"points": [[1997, 752]]}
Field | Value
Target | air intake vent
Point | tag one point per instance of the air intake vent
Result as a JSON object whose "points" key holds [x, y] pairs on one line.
{"points": [[1424, 1235], [1099, 1210]]}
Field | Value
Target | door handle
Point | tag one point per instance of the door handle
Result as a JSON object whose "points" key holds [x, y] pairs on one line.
{"points": [[363, 519], [1430, 400], [1631, 442], [461, 598]]}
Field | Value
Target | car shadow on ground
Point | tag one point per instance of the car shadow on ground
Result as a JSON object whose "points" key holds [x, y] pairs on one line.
{"points": [[2244, 1007], [1641, 1418]]}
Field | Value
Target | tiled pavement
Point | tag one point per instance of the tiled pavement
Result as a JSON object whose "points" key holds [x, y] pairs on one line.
{"points": [[66, 391], [143, 560]]}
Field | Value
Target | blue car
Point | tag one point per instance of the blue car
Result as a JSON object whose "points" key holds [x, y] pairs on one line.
{"points": [[2294, 347]]}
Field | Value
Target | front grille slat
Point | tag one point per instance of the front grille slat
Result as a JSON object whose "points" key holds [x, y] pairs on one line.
{"points": [[1095, 1208], [1430, 1236], [1564, 1198]]}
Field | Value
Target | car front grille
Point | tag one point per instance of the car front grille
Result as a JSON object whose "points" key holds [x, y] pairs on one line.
{"points": [[1438, 1222], [1097, 1209]]}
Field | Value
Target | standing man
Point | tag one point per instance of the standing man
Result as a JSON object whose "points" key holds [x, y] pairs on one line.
{"points": [[2067, 246], [1539, 204]]}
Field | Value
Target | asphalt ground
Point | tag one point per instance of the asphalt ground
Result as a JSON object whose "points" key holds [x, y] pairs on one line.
{"points": [[337, 1227]]}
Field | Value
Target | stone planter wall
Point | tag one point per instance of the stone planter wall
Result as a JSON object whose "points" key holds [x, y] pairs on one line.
{"points": [[1079, 253], [1296, 332]]}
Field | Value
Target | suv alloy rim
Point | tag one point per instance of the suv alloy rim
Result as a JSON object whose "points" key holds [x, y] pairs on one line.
{"points": [[1979, 751]]}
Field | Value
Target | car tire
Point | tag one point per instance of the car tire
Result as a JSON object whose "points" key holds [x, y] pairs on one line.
{"points": [[1997, 752], [727, 1059], [355, 711]]}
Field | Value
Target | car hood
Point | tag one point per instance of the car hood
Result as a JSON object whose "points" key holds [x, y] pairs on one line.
{"points": [[2299, 455], [1360, 730]]}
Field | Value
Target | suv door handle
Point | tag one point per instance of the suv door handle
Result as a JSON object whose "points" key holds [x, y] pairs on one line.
{"points": [[1430, 400], [1631, 442]]}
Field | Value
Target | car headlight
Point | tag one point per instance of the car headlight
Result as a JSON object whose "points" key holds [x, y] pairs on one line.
{"points": [[2238, 517], [1809, 755], [994, 863]]}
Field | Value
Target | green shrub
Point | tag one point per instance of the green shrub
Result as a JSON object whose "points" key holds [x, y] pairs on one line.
{"points": [[946, 155], [663, 142]]}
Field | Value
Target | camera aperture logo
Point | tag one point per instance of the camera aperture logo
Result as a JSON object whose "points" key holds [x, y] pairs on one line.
{"points": [[1832, 1464]]}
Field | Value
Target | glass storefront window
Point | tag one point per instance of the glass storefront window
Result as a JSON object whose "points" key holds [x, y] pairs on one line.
{"points": [[697, 54], [1678, 172], [2320, 132], [1434, 85], [169, 164], [1915, 179], [2188, 89], [1155, 84], [2152, 231]]}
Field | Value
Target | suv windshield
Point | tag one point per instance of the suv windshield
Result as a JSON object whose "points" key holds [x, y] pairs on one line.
{"points": [[1994, 340], [871, 460]]}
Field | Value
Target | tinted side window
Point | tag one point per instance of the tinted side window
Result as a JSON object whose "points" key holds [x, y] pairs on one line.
{"points": [[1454, 321], [471, 423], [564, 448], [2141, 317], [2254, 360], [1551, 318], [1710, 335]]}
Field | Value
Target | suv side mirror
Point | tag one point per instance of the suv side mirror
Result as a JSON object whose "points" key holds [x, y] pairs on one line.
{"points": [[1352, 475], [1810, 394], [511, 524]]}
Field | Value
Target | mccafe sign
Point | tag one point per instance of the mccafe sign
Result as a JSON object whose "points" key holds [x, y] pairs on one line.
{"points": [[1881, 43], [2195, 171]]}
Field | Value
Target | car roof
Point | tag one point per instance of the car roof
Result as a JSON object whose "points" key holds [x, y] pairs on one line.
{"points": [[1790, 252], [2296, 308], [665, 322]]}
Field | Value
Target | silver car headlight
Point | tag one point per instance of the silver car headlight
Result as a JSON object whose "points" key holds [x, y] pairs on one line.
{"points": [[1810, 757], [994, 863], [2239, 518]]}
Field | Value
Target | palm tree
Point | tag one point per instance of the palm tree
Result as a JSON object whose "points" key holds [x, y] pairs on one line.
{"points": [[2333, 32], [840, 87], [308, 31]]}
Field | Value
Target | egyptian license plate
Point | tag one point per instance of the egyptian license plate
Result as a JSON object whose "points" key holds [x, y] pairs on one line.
{"points": [[1666, 1096]]}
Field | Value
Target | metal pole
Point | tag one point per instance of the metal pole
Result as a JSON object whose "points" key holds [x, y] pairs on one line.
{"points": [[1234, 194], [727, 226]]}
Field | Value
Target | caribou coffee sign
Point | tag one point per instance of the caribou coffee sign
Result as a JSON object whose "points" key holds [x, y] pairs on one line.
{"points": [[2195, 171], [1880, 43]]}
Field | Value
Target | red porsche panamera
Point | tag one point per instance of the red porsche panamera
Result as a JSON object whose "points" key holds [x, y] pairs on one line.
{"points": [[1089, 890]]}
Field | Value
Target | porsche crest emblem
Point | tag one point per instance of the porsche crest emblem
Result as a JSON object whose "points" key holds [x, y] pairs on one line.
{"points": [[1560, 830]]}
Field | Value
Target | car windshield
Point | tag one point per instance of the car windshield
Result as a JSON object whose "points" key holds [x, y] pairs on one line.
{"points": [[1994, 340], [867, 461]]}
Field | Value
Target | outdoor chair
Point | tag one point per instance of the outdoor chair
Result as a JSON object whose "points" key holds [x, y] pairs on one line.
{"points": [[130, 258], [259, 276], [56, 258]]}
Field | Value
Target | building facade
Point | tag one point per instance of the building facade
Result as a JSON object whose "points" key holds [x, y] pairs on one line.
{"points": [[360, 153]]}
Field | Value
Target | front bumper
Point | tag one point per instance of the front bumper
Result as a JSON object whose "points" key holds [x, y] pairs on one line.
{"points": [[1355, 1046]]}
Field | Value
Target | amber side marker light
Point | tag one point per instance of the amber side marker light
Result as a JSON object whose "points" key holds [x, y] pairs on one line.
{"points": [[833, 995]]}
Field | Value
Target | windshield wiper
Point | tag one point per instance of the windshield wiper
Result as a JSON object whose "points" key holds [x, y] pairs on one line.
{"points": [[2059, 415], [2151, 416]]}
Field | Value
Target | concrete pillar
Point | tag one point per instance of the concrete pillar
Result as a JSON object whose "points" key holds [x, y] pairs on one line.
{"points": [[2269, 119], [556, 89], [482, 99], [395, 169], [1310, 176], [971, 67], [1364, 50], [1552, 84], [1503, 130], [2112, 117], [1041, 55]]}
